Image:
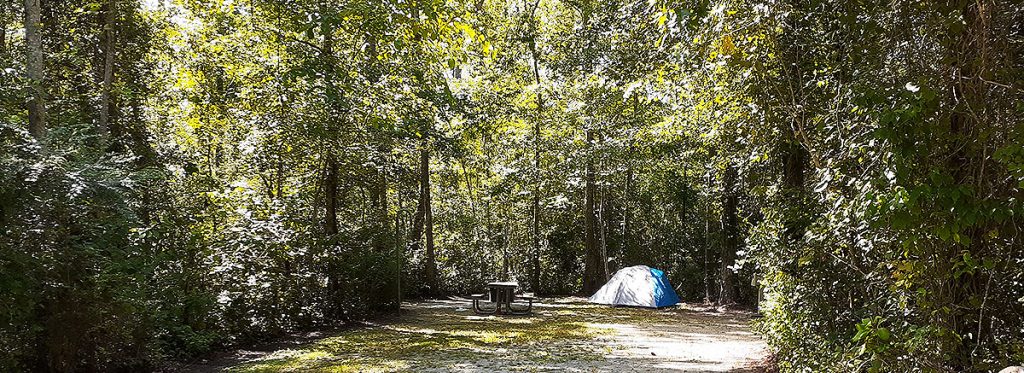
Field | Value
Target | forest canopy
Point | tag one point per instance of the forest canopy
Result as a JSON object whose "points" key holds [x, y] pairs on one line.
{"points": [[178, 176]]}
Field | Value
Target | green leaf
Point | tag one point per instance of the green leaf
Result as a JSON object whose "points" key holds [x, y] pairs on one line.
{"points": [[882, 334]]}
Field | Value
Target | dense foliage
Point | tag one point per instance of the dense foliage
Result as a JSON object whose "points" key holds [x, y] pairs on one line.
{"points": [[180, 175]]}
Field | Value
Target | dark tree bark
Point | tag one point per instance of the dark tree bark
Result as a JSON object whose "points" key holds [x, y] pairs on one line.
{"points": [[416, 233], [707, 240], [379, 191], [399, 256], [730, 239], [331, 196], [595, 271], [535, 233], [968, 96], [109, 18], [423, 221], [331, 164], [34, 69], [604, 222], [627, 196], [379, 199], [3, 27], [430, 267], [627, 236], [334, 285], [794, 166]]}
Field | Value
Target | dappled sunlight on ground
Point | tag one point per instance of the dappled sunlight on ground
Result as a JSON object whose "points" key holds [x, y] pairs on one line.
{"points": [[562, 335]]}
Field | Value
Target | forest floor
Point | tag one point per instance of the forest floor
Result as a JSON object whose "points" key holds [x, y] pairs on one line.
{"points": [[563, 334]]}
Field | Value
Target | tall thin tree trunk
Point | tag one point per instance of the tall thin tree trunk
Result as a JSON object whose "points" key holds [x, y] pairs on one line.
{"points": [[109, 16], [3, 27], [967, 100], [331, 196], [399, 254], [380, 188], [429, 254], [730, 239], [331, 165], [34, 69], [379, 199], [594, 272], [334, 285], [506, 238], [794, 164], [430, 264], [384, 237], [535, 233], [707, 241], [416, 233], [627, 194], [603, 223]]}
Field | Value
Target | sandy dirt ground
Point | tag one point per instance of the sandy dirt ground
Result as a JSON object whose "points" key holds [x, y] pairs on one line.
{"points": [[565, 334]]}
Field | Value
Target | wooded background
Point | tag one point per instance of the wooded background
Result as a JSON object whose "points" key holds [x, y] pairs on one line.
{"points": [[178, 176]]}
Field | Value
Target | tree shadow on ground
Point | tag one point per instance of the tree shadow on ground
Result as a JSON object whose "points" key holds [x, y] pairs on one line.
{"points": [[445, 335]]}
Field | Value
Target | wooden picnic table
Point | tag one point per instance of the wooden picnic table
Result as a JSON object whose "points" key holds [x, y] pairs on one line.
{"points": [[502, 294]]}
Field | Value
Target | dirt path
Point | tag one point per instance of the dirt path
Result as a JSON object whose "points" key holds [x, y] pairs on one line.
{"points": [[562, 335]]}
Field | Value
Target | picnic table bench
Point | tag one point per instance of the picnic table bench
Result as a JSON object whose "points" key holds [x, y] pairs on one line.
{"points": [[502, 294]]}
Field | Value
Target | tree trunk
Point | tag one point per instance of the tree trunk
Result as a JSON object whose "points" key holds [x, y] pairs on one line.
{"points": [[535, 233], [603, 220], [379, 199], [707, 240], [427, 224], [109, 16], [626, 250], [794, 165], [331, 232], [380, 188], [968, 97], [331, 171], [331, 196], [506, 238], [383, 240], [730, 239], [627, 196], [3, 28], [399, 254], [34, 69], [334, 285], [416, 233], [594, 272], [428, 221]]}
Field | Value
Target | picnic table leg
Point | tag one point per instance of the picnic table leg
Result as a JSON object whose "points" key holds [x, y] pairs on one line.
{"points": [[499, 300], [481, 311], [527, 311]]}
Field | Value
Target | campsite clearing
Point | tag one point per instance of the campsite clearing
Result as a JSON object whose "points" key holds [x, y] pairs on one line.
{"points": [[565, 334]]}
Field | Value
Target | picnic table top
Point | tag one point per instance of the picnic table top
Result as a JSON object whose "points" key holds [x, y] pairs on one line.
{"points": [[503, 284]]}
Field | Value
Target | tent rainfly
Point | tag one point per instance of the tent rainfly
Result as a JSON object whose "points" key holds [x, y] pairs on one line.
{"points": [[639, 286]]}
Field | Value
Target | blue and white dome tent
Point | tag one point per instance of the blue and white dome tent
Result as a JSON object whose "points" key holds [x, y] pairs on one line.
{"points": [[638, 286]]}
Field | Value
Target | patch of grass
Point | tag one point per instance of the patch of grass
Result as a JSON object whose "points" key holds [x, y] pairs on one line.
{"points": [[433, 337]]}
